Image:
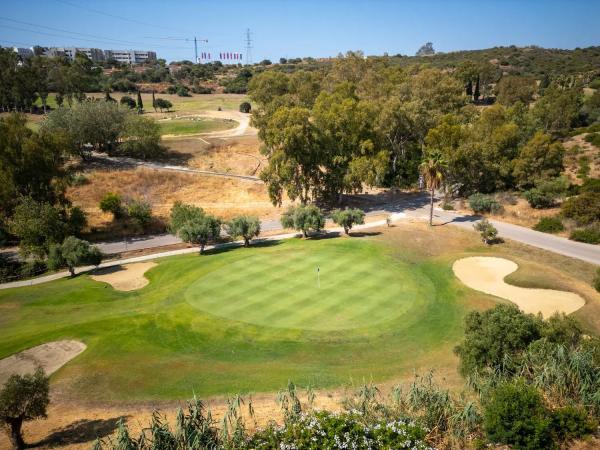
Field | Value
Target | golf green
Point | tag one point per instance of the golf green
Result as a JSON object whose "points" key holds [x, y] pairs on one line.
{"points": [[311, 288], [246, 320]]}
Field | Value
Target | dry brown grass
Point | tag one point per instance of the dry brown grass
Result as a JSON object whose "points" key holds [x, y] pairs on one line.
{"points": [[239, 155], [221, 196], [519, 213]]}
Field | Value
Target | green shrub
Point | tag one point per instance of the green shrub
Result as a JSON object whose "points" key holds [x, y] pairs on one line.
{"points": [[489, 233], [591, 185], [492, 335], [538, 199], [549, 225], [589, 235], [596, 281], [111, 202], [481, 203], [140, 211], [583, 209], [126, 100], [584, 167], [245, 107], [593, 138], [446, 206], [183, 91], [515, 415], [570, 423], [55, 258], [33, 268]]}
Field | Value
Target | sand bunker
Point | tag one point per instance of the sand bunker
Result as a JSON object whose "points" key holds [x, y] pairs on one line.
{"points": [[125, 278], [486, 274], [50, 356]]}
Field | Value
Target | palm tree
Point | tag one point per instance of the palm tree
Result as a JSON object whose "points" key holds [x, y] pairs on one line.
{"points": [[432, 169]]}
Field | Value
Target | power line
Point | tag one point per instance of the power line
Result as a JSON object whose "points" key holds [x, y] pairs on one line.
{"points": [[71, 32], [99, 38], [115, 16]]}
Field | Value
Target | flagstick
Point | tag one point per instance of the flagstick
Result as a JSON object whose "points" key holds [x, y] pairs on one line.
{"points": [[318, 278]]}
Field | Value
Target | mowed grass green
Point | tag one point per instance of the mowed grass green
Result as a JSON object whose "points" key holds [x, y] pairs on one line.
{"points": [[199, 125], [245, 320]]}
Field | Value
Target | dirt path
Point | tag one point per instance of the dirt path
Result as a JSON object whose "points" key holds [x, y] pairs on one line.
{"points": [[243, 128], [486, 274], [51, 356]]}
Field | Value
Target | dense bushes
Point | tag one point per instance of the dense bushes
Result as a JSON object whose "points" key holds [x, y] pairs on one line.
{"points": [[515, 415], [545, 192], [589, 235], [481, 203], [539, 199], [549, 225], [584, 209]]}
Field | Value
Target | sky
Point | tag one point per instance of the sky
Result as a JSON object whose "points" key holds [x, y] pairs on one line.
{"points": [[294, 28]]}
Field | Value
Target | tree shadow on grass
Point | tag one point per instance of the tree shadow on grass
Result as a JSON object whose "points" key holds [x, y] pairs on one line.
{"points": [[364, 233], [256, 243], [79, 432]]}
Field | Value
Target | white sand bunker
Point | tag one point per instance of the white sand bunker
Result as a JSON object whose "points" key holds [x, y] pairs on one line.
{"points": [[486, 274], [51, 356], [125, 278]]}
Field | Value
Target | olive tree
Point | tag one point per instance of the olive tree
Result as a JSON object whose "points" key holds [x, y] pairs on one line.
{"points": [[303, 218], [488, 232], [347, 218], [200, 230], [73, 252], [243, 226], [23, 398]]}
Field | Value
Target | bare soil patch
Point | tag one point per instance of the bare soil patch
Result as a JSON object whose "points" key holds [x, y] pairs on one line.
{"points": [[125, 278], [51, 356], [486, 274]]}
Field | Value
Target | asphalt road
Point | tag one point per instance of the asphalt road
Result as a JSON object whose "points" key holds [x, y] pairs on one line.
{"points": [[415, 206]]}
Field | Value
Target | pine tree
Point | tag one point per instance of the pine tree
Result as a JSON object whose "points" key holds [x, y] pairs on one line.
{"points": [[140, 105], [476, 93], [469, 89], [153, 101]]}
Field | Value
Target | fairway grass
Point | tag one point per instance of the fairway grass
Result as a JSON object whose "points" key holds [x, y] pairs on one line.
{"points": [[194, 126], [244, 320]]}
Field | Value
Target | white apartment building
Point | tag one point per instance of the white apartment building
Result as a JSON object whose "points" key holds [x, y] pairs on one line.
{"points": [[130, 56], [95, 54], [23, 52]]}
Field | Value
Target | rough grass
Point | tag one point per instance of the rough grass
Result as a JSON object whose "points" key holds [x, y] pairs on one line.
{"points": [[195, 126]]}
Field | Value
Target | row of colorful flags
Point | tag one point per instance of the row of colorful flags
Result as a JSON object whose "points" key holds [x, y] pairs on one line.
{"points": [[223, 55]]}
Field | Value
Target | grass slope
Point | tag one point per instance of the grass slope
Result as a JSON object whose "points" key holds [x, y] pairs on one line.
{"points": [[177, 127], [245, 320]]}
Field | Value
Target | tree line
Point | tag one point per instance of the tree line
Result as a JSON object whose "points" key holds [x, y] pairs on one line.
{"points": [[370, 122]]}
